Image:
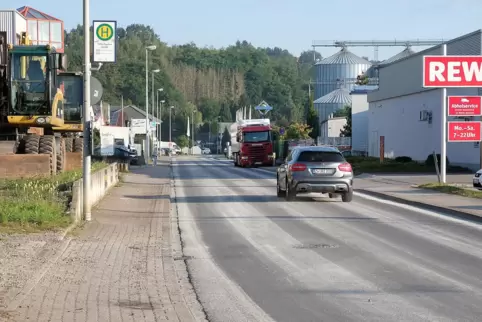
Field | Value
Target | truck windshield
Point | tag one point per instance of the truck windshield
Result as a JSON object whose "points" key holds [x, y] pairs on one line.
{"points": [[251, 137], [73, 88], [29, 93]]}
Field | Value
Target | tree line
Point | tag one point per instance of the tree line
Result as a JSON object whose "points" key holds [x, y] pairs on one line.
{"points": [[206, 82]]}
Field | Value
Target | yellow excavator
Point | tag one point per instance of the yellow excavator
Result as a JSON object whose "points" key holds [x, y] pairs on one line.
{"points": [[31, 102]]}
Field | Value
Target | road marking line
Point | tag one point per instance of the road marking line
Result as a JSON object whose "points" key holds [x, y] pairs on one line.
{"points": [[444, 216]]}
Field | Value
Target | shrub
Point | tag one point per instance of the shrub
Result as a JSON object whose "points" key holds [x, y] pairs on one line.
{"points": [[430, 162], [403, 159]]}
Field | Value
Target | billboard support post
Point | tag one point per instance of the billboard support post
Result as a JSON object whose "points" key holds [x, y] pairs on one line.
{"points": [[443, 150]]}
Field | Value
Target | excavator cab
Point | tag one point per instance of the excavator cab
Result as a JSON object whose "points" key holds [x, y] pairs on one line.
{"points": [[34, 100], [72, 85]]}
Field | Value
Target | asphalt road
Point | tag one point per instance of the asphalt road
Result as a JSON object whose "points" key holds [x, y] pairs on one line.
{"points": [[255, 257]]}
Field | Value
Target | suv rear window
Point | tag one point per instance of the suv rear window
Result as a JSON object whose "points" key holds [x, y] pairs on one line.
{"points": [[320, 156]]}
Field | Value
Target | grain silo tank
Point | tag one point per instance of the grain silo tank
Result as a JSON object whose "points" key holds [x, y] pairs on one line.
{"points": [[405, 53], [332, 102], [340, 69]]}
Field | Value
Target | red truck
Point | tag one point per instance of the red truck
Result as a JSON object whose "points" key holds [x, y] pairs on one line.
{"points": [[252, 143]]}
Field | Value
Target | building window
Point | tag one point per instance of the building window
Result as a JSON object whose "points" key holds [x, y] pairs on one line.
{"points": [[33, 31], [43, 32], [56, 32]]}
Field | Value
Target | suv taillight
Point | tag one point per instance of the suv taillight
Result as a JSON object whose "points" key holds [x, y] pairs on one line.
{"points": [[298, 167], [345, 167]]}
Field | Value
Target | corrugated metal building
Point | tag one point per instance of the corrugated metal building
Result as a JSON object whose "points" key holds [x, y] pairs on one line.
{"points": [[13, 23], [409, 116]]}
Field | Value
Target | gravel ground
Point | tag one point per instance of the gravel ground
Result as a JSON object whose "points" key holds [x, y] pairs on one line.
{"points": [[21, 257]]}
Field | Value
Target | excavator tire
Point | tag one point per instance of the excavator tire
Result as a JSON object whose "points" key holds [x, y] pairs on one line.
{"points": [[78, 144], [69, 144], [48, 146], [31, 144], [61, 156]]}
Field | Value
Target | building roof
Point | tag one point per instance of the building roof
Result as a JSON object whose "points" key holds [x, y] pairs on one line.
{"points": [[115, 113], [363, 89], [338, 96], [344, 57], [421, 53], [31, 13], [405, 53]]}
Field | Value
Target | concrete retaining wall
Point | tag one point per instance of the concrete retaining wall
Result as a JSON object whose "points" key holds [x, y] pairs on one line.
{"points": [[24, 165], [101, 182]]}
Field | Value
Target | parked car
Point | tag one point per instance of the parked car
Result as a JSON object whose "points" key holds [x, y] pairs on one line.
{"points": [[318, 169], [206, 151], [477, 180]]}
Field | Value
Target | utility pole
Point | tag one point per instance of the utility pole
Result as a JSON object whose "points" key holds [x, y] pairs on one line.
{"points": [[86, 175]]}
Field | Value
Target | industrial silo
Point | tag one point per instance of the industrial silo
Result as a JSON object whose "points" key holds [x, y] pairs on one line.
{"points": [[332, 102], [405, 53], [338, 70]]}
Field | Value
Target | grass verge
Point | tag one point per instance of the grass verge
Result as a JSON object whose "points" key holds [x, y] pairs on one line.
{"points": [[35, 204], [454, 190], [373, 165]]}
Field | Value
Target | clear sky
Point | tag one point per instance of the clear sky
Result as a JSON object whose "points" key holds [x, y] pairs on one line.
{"points": [[288, 24]]}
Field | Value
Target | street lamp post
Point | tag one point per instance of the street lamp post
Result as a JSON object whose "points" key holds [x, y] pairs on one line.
{"points": [[170, 125], [160, 119], [158, 116], [151, 138], [146, 152], [86, 179]]}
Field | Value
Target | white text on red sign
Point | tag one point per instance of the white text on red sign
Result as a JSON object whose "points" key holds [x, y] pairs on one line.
{"points": [[452, 71], [464, 105]]}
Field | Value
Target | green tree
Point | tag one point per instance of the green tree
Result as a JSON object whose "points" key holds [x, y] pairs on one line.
{"points": [[312, 119], [216, 81], [297, 131], [226, 138], [343, 112], [182, 141], [346, 130]]}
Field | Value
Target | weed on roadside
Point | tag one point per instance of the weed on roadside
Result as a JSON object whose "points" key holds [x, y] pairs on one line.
{"points": [[35, 203]]}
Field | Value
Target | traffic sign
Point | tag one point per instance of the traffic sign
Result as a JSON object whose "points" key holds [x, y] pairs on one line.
{"points": [[464, 131], [464, 105], [282, 131], [105, 41], [452, 71]]}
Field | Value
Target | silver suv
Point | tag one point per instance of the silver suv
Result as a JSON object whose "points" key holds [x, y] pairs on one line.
{"points": [[315, 169]]}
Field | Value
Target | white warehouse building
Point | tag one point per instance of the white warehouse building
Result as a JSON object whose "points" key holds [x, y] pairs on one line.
{"points": [[409, 117]]}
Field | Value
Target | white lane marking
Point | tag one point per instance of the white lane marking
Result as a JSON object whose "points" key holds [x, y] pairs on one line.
{"points": [[430, 213]]}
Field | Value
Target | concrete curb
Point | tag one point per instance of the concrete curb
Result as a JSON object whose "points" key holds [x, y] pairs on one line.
{"points": [[64, 232], [446, 211]]}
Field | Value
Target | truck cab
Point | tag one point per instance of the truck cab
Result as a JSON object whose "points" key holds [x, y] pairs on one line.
{"points": [[254, 143]]}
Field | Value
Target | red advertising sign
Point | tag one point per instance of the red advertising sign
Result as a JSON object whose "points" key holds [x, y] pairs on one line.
{"points": [[464, 105], [452, 71], [464, 131]]}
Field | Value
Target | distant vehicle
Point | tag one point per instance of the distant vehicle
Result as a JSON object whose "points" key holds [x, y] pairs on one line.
{"points": [[316, 169], [252, 143], [206, 151], [477, 180]]}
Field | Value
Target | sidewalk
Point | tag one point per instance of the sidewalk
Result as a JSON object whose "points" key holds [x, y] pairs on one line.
{"points": [[121, 266], [403, 191]]}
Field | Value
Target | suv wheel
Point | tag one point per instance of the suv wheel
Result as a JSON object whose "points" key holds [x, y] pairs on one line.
{"points": [[347, 196], [289, 193], [279, 192]]}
